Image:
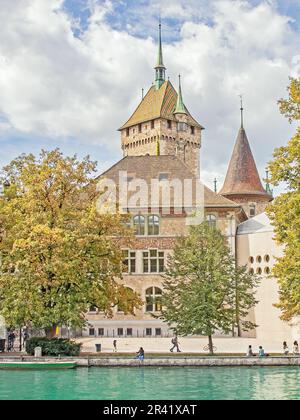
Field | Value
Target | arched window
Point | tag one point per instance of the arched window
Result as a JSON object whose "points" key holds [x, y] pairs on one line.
{"points": [[252, 210], [153, 225], [153, 299], [127, 305], [212, 220], [139, 225]]}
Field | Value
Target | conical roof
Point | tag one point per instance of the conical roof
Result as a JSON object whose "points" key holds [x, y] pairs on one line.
{"points": [[242, 176]]}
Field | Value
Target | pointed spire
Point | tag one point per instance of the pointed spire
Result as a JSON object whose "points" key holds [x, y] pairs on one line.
{"points": [[160, 69], [216, 185], [180, 108], [242, 176]]}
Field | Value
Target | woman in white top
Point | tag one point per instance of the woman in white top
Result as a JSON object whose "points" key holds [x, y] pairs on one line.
{"points": [[296, 348], [285, 349]]}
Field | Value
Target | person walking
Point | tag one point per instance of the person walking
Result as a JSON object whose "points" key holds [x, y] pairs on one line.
{"points": [[296, 348], [115, 346], [25, 337], [285, 349], [11, 341], [175, 343]]}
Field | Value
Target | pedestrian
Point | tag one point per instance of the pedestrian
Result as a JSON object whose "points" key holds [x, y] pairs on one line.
{"points": [[285, 349], [11, 341], [261, 352], [141, 355], [25, 337], [175, 343], [115, 346], [296, 348], [250, 352]]}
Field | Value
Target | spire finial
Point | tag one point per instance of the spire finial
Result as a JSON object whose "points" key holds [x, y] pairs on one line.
{"points": [[160, 69], [142, 93], [242, 112], [180, 108], [268, 188], [216, 185]]}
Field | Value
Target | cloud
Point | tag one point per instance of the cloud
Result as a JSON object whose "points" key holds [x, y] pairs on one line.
{"points": [[80, 89]]}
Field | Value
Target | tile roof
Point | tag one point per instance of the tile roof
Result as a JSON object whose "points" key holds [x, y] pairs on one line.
{"points": [[242, 176], [159, 103], [150, 167]]}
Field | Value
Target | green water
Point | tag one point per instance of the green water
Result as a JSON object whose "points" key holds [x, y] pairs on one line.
{"points": [[152, 383]]}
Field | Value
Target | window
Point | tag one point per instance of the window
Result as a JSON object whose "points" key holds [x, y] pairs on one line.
{"points": [[163, 177], [259, 259], [92, 331], [120, 332], [127, 132], [153, 299], [129, 332], [267, 258], [158, 331], [153, 225], [139, 225], [259, 271], [252, 210], [129, 261], [140, 128], [169, 122], [267, 270], [152, 124], [192, 130], [148, 332], [212, 220], [153, 261], [182, 126], [251, 260], [251, 271], [101, 332]]}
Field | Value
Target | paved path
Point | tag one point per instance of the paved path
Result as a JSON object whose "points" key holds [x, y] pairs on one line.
{"points": [[187, 345]]}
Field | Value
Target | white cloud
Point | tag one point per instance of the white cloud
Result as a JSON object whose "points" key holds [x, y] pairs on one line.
{"points": [[53, 84]]}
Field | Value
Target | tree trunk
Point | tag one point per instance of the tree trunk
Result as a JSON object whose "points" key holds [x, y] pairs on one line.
{"points": [[50, 331], [210, 345]]}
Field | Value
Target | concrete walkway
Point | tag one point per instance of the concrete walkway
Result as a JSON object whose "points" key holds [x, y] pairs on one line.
{"points": [[187, 345]]}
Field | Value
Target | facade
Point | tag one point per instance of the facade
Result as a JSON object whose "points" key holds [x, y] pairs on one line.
{"points": [[161, 142]]}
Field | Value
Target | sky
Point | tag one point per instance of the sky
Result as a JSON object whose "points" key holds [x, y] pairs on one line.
{"points": [[72, 72]]}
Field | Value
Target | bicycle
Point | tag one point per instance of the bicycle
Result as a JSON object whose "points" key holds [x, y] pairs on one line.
{"points": [[206, 348]]}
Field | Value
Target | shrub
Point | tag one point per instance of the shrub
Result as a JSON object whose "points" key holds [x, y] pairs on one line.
{"points": [[53, 346]]}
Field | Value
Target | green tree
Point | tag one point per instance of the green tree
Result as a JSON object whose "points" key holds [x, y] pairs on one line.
{"points": [[203, 291], [284, 211], [58, 254]]}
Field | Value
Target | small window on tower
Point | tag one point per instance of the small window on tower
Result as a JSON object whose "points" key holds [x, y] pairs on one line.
{"points": [[127, 132], [140, 128], [169, 124], [152, 124], [192, 130], [252, 210]]}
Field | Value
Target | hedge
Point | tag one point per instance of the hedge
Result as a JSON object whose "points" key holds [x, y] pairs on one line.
{"points": [[53, 346]]}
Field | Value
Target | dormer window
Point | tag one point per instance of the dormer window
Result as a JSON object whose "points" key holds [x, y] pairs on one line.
{"points": [[192, 130], [182, 126], [169, 122], [252, 210]]}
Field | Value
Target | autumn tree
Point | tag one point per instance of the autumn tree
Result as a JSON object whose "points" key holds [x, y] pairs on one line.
{"points": [[58, 254], [284, 211], [204, 293]]}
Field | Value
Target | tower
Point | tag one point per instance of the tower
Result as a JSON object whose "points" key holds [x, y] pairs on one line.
{"points": [[242, 183], [161, 124]]}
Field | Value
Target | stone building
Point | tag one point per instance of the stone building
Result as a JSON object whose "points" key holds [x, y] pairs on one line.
{"points": [[161, 144]]}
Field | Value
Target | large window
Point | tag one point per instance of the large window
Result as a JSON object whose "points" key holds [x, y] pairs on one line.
{"points": [[139, 225], [212, 220], [153, 225], [252, 210], [153, 299], [153, 261], [129, 261]]}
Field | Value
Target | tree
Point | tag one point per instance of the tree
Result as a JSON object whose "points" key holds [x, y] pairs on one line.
{"points": [[203, 291], [284, 210], [58, 254]]}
